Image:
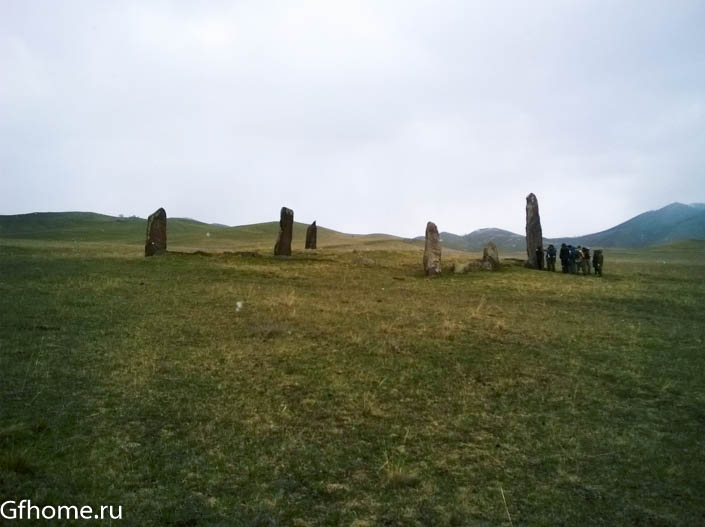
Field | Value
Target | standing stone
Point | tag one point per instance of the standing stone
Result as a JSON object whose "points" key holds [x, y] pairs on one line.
{"points": [[534, 236], [156, 233], [432, 251], [286, 227], [490, 257], [311, 234]]}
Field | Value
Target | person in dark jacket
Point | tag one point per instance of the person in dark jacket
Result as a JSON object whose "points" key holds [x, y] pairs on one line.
{"points": [[551, 258], [586, 261], [564, 257], [578, 259], [597, 261], [539, 257]]}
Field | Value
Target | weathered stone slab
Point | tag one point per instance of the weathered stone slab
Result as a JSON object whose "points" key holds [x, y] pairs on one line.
{"points": [[156, 233], [490, 257], [311, 235], [432, 251], [534, 235], [286, 229]]}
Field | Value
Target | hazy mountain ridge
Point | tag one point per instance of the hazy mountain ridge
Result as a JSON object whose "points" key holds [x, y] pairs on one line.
{"points": [[672, 223], [478, 239]]}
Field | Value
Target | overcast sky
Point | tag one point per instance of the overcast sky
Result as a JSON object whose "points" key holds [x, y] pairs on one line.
{"points": [[366, 116]]}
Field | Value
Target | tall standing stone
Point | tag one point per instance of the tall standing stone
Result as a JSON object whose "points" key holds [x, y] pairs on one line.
{"points": [[311, 234], [432, 251], [534, 235], [156, 233], [286, 227]]}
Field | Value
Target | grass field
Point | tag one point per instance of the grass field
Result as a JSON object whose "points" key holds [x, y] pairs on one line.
{"points": [[347, 388]]}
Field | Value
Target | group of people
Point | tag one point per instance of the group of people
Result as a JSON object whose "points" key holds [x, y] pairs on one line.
{"points": [[574, 260]]}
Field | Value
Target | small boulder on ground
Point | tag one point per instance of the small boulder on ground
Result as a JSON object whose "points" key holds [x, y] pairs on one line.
{"points": [[460, 268]]}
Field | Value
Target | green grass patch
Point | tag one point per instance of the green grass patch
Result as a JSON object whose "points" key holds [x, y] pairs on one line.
{"points": [[345, 388]]}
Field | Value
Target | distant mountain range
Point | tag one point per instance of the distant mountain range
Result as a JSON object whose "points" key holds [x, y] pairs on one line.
{"points": [[476, 240], [672, 223]]}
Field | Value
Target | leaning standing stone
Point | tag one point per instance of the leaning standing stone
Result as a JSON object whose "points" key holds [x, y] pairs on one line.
{"points": [[286, 226], [311, 234], [432, 251], [156, 233], [534, 236]]}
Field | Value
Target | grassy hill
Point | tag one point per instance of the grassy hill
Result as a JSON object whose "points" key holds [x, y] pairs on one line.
{"points": [[675, 222], [506, 241], [335, 389], [672, 223], [182, 235]]}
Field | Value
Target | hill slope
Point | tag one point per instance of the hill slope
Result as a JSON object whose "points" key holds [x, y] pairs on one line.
{"points": [[477, 240], [183, 233], [672, 223]]}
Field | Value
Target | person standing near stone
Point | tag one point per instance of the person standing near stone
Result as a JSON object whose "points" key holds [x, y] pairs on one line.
{"points": [[551, 258], [432, 251], [539, 258], [156, 233], [286, 227], [586, 261], [564, 258], [597, 261], [534, 235], [311, 235], [578, 259], [572, 268]]}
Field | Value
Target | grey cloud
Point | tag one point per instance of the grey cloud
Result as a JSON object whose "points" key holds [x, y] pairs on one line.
{"points": [[396, 112]]}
